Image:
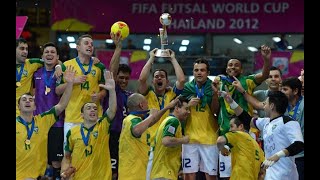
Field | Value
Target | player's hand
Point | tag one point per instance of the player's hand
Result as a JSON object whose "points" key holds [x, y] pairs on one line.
{"points": [[95, 60], [172, 54], [185, 139], [80, 79], [236, 83], [116, 39], [265, 52], [109, 81], [270, 161], [58, 71], [173, 103], [215, 85], [69, 74], [225, 152], [68, 173], [262, 174], [194, 101], [153, 53]]}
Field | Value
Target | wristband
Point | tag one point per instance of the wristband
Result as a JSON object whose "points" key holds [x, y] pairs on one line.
{"points": [[233, 105], [281, 154], [57, 66]]}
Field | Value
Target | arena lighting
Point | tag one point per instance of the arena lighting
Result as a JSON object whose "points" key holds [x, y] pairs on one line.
{"points": [[190, 78], [182, 48], [185, 42], [71, 39], [276, 39], [72, 45], [60, 39], [237, 40], [290, 47], [109, 41], [147, 48], [252, 49], [147, 41]]}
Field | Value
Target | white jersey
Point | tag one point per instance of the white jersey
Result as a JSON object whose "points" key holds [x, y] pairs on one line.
{"points": [[277, 135]]}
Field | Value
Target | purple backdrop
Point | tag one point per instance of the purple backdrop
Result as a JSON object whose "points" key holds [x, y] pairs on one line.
{"points": [[290, 63], [219, 16]]}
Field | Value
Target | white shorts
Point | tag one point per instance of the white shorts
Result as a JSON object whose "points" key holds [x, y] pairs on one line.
{"points": [[225, 165], [67, 126], [200, 156]]}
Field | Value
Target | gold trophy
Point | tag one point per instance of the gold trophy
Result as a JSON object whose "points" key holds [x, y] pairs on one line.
{"points": [[165, 20]]}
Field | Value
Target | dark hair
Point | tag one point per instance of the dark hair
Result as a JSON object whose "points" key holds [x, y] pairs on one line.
{"points": [[182, 99], [293, 83], [202, 61], [273, 68], [124, 68], [50, 44], [161, 70], [279, 99], [19, 41], [238, 122], [83, 36], [29, 94]]}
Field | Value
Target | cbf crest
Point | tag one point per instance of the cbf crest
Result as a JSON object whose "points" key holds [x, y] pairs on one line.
{"points": [[25, 72], [95, 134], [93, 72]]}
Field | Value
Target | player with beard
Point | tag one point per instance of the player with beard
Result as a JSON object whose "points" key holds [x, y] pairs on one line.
{"points": [[160, 94]]}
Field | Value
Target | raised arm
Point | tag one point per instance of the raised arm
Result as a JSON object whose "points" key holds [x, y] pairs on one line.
{"points": [[110, 86], [252, 100], [178, 70], [215, 106], [143, 87], [266, 55], [154, 117], [69, 75], [115, 60]]}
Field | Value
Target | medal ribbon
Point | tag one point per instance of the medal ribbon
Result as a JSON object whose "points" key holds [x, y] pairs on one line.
{"points": [[81, 66], [162, 103], [199, 94], [144, 113], [86, 138], [29, 131], [295, 108], [19, 75], [47, 80], [226, 78]]}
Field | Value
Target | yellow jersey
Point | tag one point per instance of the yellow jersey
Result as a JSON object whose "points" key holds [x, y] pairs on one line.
{"points": [[166, 161], [246, 155], [201, 125], [158, 102], [31, 160], [92, 161], [30, 66], [133, 151], [81, 93]]}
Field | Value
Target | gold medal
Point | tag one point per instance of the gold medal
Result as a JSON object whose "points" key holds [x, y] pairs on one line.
{"points": [[27, 142], [48, 89], [18, 83]]}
